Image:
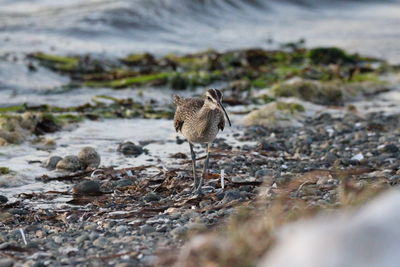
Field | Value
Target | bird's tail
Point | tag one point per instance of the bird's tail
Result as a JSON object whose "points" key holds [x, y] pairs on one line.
{"points": [[177, 99]]}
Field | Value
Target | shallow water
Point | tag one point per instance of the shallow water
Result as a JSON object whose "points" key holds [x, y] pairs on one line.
{"points": [[104, 136]]}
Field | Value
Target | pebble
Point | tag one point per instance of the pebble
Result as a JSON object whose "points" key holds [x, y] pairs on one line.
{"points": [[69, 163], [121, 229], [130, 149], [391, 148], [89, 158], [358, 157], [231, 195], [82, 238], [101, 242], [147, 229], [52, 162], [150, 197], [3, 199], [88, 187], [179, 232], [123, 183]]}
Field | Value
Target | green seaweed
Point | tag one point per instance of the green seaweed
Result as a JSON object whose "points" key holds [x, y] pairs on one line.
{"points": [[60, 63], [125, 82], [4, 170], [329, 55], [291, 107]]}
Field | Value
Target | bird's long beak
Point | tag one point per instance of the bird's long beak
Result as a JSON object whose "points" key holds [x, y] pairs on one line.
{"points": [[226, 114]]}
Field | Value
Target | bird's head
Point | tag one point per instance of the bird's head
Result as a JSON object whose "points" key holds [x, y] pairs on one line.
{"points": [[214, 99]]}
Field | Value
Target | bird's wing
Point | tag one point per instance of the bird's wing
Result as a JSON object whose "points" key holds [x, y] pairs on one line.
{"points": [[186, 108], [221, 124]]}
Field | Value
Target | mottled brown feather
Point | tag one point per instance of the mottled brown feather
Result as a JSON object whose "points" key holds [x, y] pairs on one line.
{"points": [[221, 124], [185, 109]]}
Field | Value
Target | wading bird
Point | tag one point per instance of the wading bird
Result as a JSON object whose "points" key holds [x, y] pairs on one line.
{"points": [[199, 120]]}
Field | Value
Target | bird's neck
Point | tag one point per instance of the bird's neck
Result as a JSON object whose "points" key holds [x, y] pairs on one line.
{"points": [[208, 112]]}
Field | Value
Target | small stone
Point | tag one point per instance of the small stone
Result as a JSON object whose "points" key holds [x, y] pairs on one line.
{"points": [[81, 238], [123, 183], [88, 187], [58, 239], [357, 157], [52, 162], [69, 163], [179, 232], [3, 199], [100, 242], [150, 197], [121, 229], [330, 157], [130, 149], [147, 229], [391, 148], [231, 195], [89, 158]]}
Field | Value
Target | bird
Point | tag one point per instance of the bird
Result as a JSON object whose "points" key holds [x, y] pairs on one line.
{"points": [[199, 121]]}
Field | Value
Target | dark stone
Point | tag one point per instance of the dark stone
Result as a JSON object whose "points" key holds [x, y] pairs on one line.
{"points": [[3, 199], [130, 149], [150, 197], [46, 125], [123, 183], [231, 195], [391, 148], [51, 162], [88, 187]]}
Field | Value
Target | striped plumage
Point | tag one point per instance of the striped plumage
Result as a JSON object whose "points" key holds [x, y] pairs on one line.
{"points": [[199, 120], [196, 120]]}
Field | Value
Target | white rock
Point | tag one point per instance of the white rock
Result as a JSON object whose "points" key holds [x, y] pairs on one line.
{"points": [[369, 237], [358, 157]]}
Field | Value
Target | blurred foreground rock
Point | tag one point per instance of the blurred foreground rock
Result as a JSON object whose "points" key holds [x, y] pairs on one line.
{"points": [[369, 236]]}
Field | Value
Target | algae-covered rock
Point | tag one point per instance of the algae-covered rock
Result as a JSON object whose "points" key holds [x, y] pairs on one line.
{"points": [[69, 163], [145, 59], [276, 114], [4, 170], [330, 55], [327, 93], [56, 62], [319, 93], [89, 158]]}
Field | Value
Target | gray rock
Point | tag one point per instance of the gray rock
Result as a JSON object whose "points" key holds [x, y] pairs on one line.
{"points": [[130, 149], [147, 229], [88, 187], [123, 183], [69, 163], [52, 162], [89, 158], [101, 242], [330, 157], [81, 238], [391, 148], [179, 232], [231, 195], [150, 197], [121, 229]]}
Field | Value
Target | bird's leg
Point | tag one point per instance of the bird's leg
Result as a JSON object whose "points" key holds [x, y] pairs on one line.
{"points": [[205, 168], [196, 181]]}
